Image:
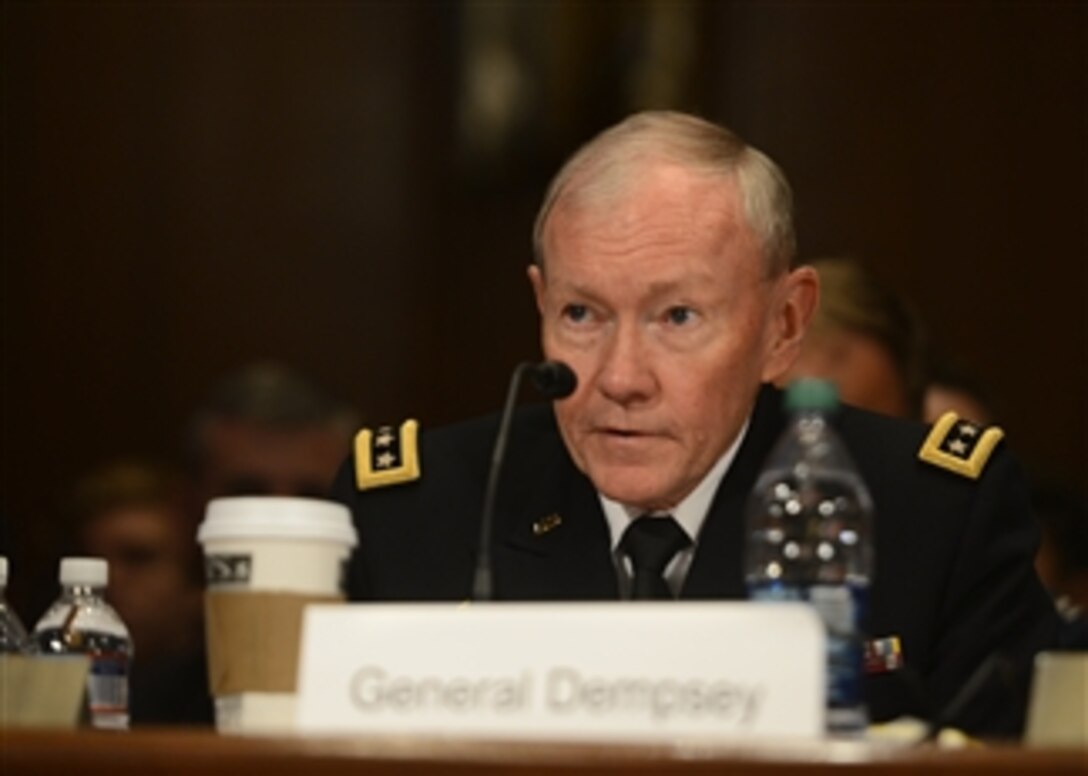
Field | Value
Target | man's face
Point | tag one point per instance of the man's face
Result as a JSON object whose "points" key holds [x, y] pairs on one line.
{"points": [[151, 553], [659, 302]]}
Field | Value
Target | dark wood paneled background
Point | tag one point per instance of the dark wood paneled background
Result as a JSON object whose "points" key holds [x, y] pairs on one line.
{"points": [[190, 186]]}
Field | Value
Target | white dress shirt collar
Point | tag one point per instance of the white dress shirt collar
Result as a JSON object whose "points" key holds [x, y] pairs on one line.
{"points": [[689, 513]]}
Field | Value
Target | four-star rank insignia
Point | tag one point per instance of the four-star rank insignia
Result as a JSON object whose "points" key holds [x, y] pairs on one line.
{"points": [[386, 455], [960, 445]]}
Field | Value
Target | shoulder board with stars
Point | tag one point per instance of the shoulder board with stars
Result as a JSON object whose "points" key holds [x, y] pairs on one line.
{"points": [[959, 445], [386, 455]]}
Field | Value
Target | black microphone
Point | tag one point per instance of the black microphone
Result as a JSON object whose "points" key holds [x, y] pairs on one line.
{"points": [[555, 380]]}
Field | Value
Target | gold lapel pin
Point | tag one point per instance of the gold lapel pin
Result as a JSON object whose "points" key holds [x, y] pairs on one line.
{"points": [[546, 524]]}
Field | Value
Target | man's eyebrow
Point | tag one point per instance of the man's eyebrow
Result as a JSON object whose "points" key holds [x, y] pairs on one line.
{"points": [[577, 290]]}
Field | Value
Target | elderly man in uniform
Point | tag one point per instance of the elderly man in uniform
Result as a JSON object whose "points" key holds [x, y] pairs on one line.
{"points": [[664, 277]]}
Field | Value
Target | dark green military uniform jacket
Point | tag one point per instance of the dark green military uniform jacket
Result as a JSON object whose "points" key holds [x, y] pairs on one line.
{"points": [[954, 579]]}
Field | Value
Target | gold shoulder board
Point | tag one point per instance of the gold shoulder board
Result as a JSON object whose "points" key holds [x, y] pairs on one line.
{"points": [[960, 445], [386, 455]]}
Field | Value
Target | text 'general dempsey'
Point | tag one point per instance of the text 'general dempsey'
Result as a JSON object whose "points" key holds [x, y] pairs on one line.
{"points": [[559, 690]]}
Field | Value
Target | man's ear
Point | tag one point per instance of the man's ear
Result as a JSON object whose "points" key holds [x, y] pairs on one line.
{"points": [[794, 303], [536, 278]]}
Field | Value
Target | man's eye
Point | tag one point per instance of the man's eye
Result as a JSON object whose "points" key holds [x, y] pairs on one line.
{"points": [[576, 313], [679, 315]]}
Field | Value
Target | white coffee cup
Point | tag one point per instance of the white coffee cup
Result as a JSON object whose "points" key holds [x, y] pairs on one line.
{"points": [[266, 558], [273, 543]]}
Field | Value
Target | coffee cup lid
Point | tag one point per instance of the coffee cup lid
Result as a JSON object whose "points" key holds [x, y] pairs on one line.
{"points": [[276, 517]]}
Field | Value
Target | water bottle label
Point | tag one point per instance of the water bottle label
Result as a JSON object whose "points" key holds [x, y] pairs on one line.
{"points": [[776, 592], [836, 606], [107, 690], [844, 671], [842, 608]]}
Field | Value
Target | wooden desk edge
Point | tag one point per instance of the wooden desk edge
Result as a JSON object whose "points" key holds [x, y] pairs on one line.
{"points": [[171, 750]]}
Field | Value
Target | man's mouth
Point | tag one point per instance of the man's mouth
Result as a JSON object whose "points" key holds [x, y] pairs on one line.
{"points": [[624, 433]]}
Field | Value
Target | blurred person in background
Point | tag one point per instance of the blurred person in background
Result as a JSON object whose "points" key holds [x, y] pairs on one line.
{"points": [[1062, 560], [266, 429], [867, 339], [132, 514], [263, 430], [871, 342], [952, 389]]}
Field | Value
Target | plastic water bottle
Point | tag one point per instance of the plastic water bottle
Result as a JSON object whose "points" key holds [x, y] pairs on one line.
{"points": [[13, 636], [81, 621], [809, 538]]}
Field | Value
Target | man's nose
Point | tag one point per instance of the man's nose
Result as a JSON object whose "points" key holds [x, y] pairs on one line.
{"points": [[626, 375]]}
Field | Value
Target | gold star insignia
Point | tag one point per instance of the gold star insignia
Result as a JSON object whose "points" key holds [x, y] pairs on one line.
{"points": [[947, 446], [384, 438], [385, 460], [387, 456]]}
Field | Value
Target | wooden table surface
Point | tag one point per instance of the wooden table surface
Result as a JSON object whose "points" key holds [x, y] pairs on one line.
{"points": [[192, 751]]}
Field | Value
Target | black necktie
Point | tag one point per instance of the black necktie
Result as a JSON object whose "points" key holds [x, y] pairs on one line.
{"points": [[650, 543]]}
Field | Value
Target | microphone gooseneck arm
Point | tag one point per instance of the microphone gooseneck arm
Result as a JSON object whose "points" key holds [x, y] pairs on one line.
{"points": [[996, 665], [555, 380]]}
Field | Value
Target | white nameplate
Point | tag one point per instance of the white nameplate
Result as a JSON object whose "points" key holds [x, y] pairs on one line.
{"points": [[587, 671]]}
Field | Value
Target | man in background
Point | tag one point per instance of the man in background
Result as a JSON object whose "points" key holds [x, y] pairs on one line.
{"points": [[132, 514], [867, 339], [264, 430], [267, 430]]}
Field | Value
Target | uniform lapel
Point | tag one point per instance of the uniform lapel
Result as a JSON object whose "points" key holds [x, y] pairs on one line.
{"points": [[552, 541], [717, 570]]}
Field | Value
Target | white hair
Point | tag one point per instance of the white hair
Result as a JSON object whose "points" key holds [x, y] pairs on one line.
{"points": [[608, 164]]}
